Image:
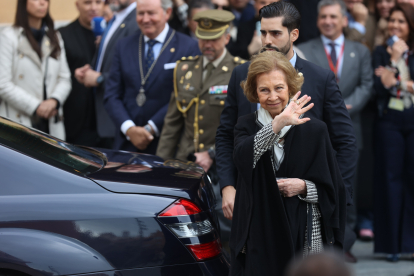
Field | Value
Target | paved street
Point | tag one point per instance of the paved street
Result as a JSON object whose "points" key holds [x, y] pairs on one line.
{"points": [[375, 265]]}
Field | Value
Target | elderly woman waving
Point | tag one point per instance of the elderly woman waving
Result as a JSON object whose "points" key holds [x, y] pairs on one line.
{"points": [[290, 196]]}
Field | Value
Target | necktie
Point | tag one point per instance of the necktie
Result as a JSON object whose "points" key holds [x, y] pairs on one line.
{"points": [[149, 59], [103, 40], [210, 68], [333, 53]]}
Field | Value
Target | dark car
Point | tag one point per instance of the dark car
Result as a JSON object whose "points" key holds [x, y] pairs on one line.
{"points": [[71, 210]]}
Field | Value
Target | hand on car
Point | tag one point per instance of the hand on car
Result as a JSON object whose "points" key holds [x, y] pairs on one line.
{"points": [[228, 198], [290, 115], [290, 187], [47, 109], [203, 159], [139, 137]]}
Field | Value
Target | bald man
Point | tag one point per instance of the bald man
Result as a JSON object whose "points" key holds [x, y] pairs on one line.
{"points": [[80, 121]]}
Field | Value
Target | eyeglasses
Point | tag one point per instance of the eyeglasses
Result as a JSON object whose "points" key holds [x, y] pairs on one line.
{"points": [[218, 7]]}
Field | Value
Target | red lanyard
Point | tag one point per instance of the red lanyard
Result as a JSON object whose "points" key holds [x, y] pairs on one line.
{"points": [[334, 68]]}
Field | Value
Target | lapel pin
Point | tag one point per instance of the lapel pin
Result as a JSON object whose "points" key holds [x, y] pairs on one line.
{"points": [[352, 54], [187, 86], [184, 67], [188, 75], [172, 50], [182, 80], [300, 74], [224, 68], [122, 25], [197, 66]]}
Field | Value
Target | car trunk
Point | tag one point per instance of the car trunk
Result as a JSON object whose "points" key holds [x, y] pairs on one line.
{"points": [[128, 172]]}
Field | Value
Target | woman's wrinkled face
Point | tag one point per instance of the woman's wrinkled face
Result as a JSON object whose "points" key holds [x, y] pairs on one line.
{"points": [[398, 25], [273, 91], [37, 8], [384, 7]]}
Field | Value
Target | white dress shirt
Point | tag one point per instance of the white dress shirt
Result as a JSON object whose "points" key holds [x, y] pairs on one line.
{"points": [[119, 18], [338, 48], [157, 49], [355, 25], [160, 39]]}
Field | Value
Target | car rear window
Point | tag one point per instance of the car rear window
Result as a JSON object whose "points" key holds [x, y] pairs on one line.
{"points": [[49, 149]]}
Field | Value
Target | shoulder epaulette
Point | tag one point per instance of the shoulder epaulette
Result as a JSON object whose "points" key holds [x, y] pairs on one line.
{"points": [[239, 60]]}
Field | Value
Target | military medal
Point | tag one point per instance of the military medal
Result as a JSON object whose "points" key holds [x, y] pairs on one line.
{"points": [[141, 98]]}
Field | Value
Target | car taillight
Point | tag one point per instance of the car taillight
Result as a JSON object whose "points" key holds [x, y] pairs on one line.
{"points": [[181, 207], [192, 229], [206, 250]]}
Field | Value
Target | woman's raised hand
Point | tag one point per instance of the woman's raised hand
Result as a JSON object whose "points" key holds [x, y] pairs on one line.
{"points": [[290, 115]]}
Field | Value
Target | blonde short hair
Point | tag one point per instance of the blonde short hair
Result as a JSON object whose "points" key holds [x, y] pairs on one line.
{"points": [[267, 62]]}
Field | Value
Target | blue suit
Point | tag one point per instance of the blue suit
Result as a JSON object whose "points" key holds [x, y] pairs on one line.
{"points": [[124, 83]]}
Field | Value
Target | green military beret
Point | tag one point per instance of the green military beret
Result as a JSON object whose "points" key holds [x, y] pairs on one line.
{"points": [[212, 23]]}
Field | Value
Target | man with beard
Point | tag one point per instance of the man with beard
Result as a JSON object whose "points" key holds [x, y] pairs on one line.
{"points": [[200, 92], [280, 23], [95, 75]]}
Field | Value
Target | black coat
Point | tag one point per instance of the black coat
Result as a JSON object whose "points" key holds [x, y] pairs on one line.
{"points": [[272, 226], [79, 108], [329, 107], [381, 57]]}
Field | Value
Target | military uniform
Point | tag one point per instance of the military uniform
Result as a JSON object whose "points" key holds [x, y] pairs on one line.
{"points": [[197, 102], [195, 107]]}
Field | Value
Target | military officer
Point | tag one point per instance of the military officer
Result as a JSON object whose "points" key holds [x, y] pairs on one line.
{"points": [[200, 90]]}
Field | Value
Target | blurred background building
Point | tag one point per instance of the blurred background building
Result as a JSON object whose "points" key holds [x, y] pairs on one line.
{"points": [[62, 11]]}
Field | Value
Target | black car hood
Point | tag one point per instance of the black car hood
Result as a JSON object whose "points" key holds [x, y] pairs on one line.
{"points": [[129, 172]]}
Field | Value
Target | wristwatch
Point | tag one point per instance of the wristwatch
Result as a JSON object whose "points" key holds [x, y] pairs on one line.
{"points": [[212, 153], [100, 79], [148, 128]]}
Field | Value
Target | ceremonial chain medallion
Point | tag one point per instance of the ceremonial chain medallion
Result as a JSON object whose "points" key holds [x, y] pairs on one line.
{"points": [[141, 98]]}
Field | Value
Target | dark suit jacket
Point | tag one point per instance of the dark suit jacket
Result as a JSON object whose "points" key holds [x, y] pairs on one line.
{"points": [[356, 76], [128, 27], [329, 107], [244, 37], [124, 83], [380, 57], [308, 10]]}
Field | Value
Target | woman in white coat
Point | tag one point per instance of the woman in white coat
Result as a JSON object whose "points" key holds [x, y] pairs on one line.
{"points": [[34, 75]]}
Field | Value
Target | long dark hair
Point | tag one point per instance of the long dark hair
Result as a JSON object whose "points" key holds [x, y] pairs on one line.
{"points": [[22, 20], [408, 11]]}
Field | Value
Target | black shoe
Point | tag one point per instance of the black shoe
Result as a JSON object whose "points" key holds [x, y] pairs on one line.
{"points": [[349, 258]]}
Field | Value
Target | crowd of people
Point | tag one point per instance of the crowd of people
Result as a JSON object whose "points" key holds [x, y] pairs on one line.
{"points": [[174, 77]]}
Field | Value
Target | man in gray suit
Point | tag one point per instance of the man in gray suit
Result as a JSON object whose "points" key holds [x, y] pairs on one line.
{"points": [[351, 63], [121, 25]]}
